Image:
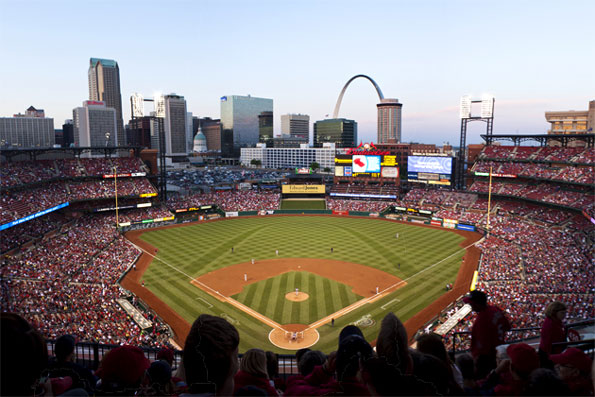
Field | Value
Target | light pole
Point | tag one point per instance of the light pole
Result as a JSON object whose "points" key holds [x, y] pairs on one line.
{"points": [[116, 190]]}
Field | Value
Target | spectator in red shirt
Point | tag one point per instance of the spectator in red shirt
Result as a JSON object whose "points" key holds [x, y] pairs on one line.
{"points": [[489, 330], [552, 331]]}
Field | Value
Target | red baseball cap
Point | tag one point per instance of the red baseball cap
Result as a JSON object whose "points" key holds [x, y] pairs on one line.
{"points": [[523, 357], [575, 357], [124, 364]]}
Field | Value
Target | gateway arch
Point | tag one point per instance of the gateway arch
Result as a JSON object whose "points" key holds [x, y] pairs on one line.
{"points": [[389, 112]]}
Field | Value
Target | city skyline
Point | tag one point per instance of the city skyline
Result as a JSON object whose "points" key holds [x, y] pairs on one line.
{"points": [[426, 54]]}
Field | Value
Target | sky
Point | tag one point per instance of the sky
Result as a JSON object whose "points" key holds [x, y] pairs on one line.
{"points": [[532, 56]]}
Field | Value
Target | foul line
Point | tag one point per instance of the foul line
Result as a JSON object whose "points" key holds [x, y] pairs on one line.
{"points": [[179, 271], [362, 302], [320, 322], [233, 302]]}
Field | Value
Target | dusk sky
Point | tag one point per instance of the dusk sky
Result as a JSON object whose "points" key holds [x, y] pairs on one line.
{"points": [[533, 56]]}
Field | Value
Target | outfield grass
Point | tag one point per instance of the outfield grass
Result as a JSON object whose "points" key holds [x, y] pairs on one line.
{"points": [[303, 205], [190, 251], [325, 297]]}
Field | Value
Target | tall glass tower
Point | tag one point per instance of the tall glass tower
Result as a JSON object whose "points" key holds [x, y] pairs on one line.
{"points": [[240, 122], [104, 85]]}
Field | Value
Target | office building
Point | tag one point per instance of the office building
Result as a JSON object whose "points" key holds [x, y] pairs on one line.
{"points": [[104, 85], [239, 122], [212, 132], [189, 131], [174, 125], [389, 120], [295, 125], [65, 136], [95, 125], [341, 132], [278, 158], [139, 132], [571, 122], [28, 130], [265, 127]]}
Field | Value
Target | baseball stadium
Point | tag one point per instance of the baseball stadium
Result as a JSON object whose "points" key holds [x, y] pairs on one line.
{"points": [[98, 248]]}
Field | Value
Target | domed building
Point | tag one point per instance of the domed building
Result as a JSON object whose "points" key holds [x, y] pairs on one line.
{"points": [[200, 142]]}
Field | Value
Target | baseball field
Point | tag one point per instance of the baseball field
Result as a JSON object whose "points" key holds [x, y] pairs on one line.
{"points": [[296, 273]]}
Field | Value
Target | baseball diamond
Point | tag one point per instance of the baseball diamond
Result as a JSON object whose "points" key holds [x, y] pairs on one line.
{"points": [[195, 271]]}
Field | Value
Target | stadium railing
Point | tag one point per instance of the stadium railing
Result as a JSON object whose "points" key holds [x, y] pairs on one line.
{"points": [[90, 354], [587, 345]]}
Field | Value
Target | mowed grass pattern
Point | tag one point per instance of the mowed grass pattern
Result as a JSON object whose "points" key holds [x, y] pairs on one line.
{"points": [[303, 205], [325, 297], [190, 251]]}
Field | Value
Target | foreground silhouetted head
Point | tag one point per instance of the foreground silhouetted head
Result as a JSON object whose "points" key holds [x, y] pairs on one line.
{"points": [[211, 355]]}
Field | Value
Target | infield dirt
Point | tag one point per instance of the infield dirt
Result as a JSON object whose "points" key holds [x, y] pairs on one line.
{"points": [[181, 327]]}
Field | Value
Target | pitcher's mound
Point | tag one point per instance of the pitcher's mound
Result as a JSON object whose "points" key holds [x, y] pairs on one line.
{"points": [[299, 297]]}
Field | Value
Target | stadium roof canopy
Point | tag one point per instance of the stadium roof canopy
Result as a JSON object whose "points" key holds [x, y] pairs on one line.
{"points": [[543, 139]]}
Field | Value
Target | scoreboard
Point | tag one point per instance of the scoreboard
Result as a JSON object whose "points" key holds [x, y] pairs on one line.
{"points": [[433, 170], [366, 165]]}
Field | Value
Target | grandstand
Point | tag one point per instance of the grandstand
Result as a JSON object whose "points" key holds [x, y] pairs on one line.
{"points": [[62, 255]]}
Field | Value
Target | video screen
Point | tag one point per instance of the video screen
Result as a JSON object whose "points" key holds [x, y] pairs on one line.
{"points": [[375, 166], [432, 170]]}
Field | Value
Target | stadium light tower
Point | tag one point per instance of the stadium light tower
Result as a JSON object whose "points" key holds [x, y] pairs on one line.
{"points": [[486, 115]]}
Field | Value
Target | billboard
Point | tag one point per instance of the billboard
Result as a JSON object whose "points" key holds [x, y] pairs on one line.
{"points": [[303, 189], [434, 170]]}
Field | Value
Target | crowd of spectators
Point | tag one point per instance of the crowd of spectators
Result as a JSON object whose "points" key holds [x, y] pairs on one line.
{"points": [[16, 236], [17, 204], [575, 174], [211, 367], [25, 172], [356, 205], [229, 201], [576, 155], [66, 283], [545, 192]]}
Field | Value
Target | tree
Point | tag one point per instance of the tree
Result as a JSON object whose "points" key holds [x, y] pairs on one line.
{"points": [[314, 165], [327, 169], [256, 162]]}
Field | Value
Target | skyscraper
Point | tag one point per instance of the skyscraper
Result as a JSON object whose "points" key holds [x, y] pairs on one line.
{"points": [[341, 132], [104, 85], [175, 125], [265, 127], [94, 125], [239, 120], [295, 125], [389, 120]]}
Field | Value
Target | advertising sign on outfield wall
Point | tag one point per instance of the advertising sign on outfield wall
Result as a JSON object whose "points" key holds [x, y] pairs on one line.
{"points": [[435, 223], [303, 189], [231, 214]]}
